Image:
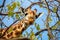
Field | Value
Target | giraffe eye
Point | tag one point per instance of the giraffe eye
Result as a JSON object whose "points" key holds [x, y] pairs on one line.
{"points": [[26, 14]]}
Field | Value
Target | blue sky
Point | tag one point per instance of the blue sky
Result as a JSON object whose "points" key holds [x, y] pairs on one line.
{"points": [[38, 20]]}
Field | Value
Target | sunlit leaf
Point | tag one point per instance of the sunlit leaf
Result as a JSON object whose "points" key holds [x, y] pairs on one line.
{"points": [[40, 35], [8, 6], [32, 36], [54, 27], [38, 27], [17, 16], [10, 13], [41, 5], [58, 22], [54, 9], [13, 6], [49, 19], [18, 4]]}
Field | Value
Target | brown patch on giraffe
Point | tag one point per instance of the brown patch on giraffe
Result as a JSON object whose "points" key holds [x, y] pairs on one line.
{"points": [[8, 35], [14, 28], [11, 33], [20, 25], [17, 33]]}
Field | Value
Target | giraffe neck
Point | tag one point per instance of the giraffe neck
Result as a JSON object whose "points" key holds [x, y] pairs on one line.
{"points": [[17, 29]]}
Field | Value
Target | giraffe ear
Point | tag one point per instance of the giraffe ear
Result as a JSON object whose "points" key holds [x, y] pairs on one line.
{"points": [[27, 11], [35, 10], [22, 9]]}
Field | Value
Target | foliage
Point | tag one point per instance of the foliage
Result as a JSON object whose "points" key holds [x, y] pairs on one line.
{"points": [[12, 7], [55, 9], [17, 16], [54, 27], [32, 36], [45, 4], [37, 26], [41, 5], [10, 13]]}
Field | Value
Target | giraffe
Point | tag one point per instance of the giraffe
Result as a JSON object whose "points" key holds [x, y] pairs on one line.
{"points": [[16, 29]]}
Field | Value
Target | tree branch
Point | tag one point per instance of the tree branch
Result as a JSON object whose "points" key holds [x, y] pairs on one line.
{"points": [[57, 14], [7, 13], [34, 4], [47, 24], [3, 4], [45, 30]]}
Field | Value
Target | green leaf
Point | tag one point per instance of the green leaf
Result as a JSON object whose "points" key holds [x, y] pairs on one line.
{"points": [[41, 5], [49, 19], [54, 9], [9, 7], [54, 27], [58, 22], [37, 26], [40, 35], [32, 36], [13, 6], [10, 14], [18, 4], [17, 16]]}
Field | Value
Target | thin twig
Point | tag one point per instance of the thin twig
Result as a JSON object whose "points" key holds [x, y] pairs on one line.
{"points": [[45, 30], [3, 4]]}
